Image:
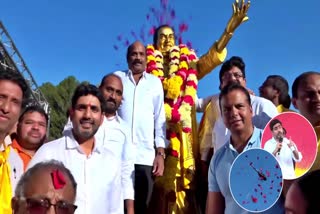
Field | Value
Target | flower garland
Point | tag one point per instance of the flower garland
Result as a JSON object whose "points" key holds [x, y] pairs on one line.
{"points": [[180, 86]]}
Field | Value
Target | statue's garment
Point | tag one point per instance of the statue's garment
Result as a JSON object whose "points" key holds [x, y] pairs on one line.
{"points": [[174, 191]]}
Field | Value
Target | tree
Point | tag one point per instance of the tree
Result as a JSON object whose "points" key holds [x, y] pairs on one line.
{"points": [[59, 98]]}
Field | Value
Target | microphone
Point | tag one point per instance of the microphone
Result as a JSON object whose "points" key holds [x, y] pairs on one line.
{"points": [[280, 141]]}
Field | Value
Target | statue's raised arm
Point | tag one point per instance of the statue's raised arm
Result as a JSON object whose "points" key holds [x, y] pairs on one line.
{"points": [[217, 53]]}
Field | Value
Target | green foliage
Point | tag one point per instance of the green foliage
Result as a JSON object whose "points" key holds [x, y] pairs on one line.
{"points": [[59, 98]]}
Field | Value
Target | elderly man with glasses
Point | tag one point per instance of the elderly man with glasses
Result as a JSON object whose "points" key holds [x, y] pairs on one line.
{"points": [[45, 187]]}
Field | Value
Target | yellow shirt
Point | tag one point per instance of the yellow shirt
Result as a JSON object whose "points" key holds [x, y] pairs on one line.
{"points": [[316, 164], [5, 184], [209, 117], [281, 109]]}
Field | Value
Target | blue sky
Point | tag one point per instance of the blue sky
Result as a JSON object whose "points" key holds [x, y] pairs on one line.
{"points": [[74, 37], [248, 190]]}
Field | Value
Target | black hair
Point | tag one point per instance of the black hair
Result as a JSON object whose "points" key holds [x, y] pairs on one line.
{"points": [[17, 78], [85, 89], [232, 87], [273, 123], [233, 61], [299, 79], [280, 84], [34, 108], [155, 35]]}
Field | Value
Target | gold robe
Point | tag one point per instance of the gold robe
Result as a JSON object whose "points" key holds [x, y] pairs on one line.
{"points": [[174, 192]]}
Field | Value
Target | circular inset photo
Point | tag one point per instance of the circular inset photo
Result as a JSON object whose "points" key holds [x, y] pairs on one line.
{"points": [[255, 180], [291, 139]]}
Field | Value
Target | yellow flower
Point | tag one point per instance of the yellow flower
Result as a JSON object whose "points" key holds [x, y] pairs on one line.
{"points": [[167, 109], [184, 50], [175, 144], [159, 65], [157, 53], [174, 48], [150, 58], [191, 91], [155, 72], [173, 86], [193, 77], [173, 68], [151, 47], [159, 60], [183, 64], [175, 54], [160, 73], [174, 62], [185, 112]]}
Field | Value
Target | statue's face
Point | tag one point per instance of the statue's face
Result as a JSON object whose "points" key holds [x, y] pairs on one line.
{"points": [[166, 39]]}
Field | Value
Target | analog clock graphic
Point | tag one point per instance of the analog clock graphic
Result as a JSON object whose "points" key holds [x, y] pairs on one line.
{"points": [[255, 180]]}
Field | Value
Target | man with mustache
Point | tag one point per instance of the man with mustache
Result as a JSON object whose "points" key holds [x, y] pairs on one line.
{"points": [[13, 92], [284, 149], [116, 136], [31, 132], [143, 109], [96, 169], [306, 98], [114, 133]]}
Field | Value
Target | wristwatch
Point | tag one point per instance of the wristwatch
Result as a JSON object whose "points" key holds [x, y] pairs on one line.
{"points": [[162, 154]]}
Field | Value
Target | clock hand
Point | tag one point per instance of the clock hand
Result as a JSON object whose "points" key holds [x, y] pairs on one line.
{"points": [[261, 175]]}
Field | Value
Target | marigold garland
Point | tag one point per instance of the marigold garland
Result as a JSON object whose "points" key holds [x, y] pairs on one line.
{"points": [[180, 86]]}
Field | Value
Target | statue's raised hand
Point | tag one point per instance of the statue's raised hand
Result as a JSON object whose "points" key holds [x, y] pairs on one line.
{"points": [[240, 9]]}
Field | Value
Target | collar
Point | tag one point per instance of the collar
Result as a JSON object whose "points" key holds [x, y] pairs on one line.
{"points": [[130, 75], [7, 141], [19, 148], [252, 143], [115, 117], [71, 143]]}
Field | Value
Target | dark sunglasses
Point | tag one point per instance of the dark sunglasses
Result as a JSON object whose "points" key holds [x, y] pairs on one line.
{"points": [[41, 206]]}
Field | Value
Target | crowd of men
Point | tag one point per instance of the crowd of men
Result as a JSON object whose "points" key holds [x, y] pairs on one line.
{"points": [[114, 145]]}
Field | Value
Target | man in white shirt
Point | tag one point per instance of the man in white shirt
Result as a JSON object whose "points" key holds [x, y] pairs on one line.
{"points": [[284, 149], [96, 169], [143, 109], [233, 71], [114, 133], [116, 137]]}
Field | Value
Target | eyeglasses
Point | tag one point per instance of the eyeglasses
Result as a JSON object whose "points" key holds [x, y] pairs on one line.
{"points": [[235, 75], [41, 206]]}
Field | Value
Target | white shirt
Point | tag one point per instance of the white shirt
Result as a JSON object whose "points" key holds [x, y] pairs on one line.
{"points": [[97, 176], [114, 133], [143, 109], [285, 157], [263, 111]]}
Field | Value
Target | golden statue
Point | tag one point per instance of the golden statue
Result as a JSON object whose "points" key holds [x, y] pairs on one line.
{"points": [[179, 70]]}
